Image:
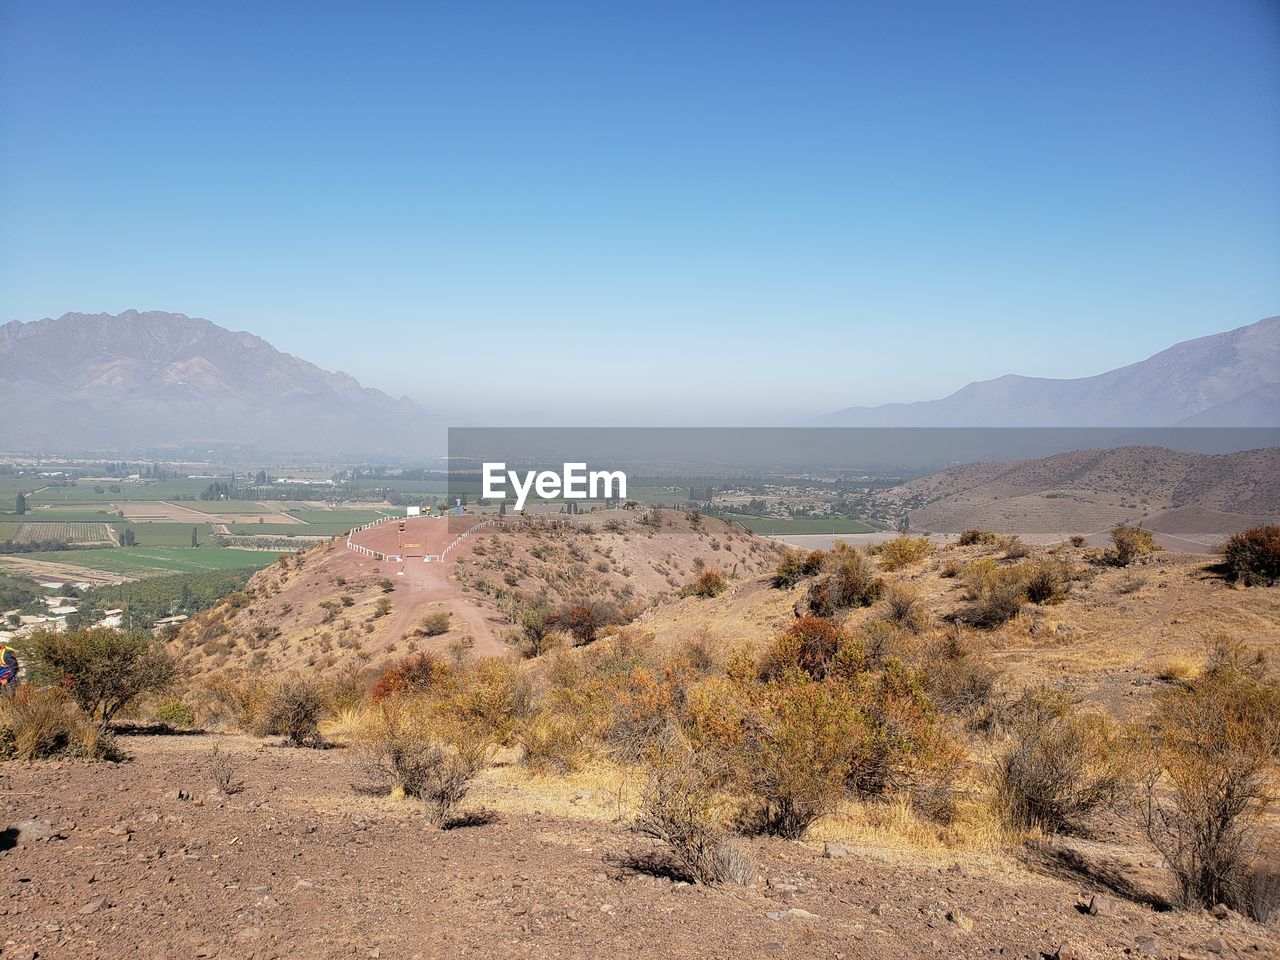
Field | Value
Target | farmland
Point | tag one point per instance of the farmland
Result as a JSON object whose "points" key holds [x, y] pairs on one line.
{"points": [[153, 561], [67, 531]]}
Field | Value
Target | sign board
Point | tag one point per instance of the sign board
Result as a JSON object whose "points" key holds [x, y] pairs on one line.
{"points": [[413, 511]]}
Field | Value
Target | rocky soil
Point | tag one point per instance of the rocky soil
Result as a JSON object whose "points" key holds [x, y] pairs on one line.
{"points": [[141, 859]]}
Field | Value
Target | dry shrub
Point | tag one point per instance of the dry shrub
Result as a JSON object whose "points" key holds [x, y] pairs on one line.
{"points": [[1253, 556], [1014, 548], [1046, 581], [416, 673], [45, 722], [1178, 669], [796, 565], [222, 770], [408, 749], [555, 740], [959, 681], [584, 620], [1215, 750], [998, 596], [794, 757], [434, 624], [906, 608], [681, 807], [811, 645], [1061, 765], [1129, 543], [904, 748], [845, 579], [292, 708], [227, 701], [973, 538], [493, 697], [903, 551], [1076, 540], [710, 583]]}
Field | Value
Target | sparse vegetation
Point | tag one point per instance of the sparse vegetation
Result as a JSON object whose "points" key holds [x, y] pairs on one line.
{"points": [[903, 551], [1253, 556], [1129, 543], [845, 579], [292, 708], [1061, 764], [709, 583], [1215, 750]]}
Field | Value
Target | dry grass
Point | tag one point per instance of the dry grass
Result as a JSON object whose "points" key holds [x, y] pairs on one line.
{"points": [[1178, 668]]}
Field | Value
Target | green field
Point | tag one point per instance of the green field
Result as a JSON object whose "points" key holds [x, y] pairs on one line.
{"points": [[352, 518], [142, 561], [168, 534], [82, 514], [773, 526], [84, 491], [291, 529]]}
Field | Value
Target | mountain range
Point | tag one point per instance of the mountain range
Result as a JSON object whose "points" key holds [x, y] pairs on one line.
{"points": [[139, 381], [153, 381], [1228, 379]]}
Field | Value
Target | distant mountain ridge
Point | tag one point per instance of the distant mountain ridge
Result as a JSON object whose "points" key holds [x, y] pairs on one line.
{"points": [[1228, 379], [140, 380]]}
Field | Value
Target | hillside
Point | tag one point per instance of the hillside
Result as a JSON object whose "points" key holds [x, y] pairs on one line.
{"points": [[1229, 379], [616, 561], [1090, 490], [96, 382]]}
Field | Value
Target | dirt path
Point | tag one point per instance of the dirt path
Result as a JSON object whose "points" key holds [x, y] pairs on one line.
{"points": [[300, 864]]}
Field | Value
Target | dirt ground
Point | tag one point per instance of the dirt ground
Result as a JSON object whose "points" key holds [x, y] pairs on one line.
{"points": [[300, 863]]}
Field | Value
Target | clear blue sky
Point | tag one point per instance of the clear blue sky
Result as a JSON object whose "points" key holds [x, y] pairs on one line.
{"points": [[646, 210]]}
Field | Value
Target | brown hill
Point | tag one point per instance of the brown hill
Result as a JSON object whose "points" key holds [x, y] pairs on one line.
{"points": [[320, 609], [1090, 490]]}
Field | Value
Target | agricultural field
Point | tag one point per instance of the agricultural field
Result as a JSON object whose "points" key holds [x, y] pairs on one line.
{"points": [[168, 534], [145, 562], [352, 518], [83, 491], [776, 526], [68, 532], [291, 529], [228, 506], [70, 514]]}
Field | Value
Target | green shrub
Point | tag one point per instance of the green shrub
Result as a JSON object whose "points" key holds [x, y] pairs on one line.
{"points": [[175, 713], [103, 670]]}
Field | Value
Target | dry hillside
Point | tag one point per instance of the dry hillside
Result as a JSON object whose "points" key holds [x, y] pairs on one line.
{"points": [[1090, 490], [320, 608]]}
